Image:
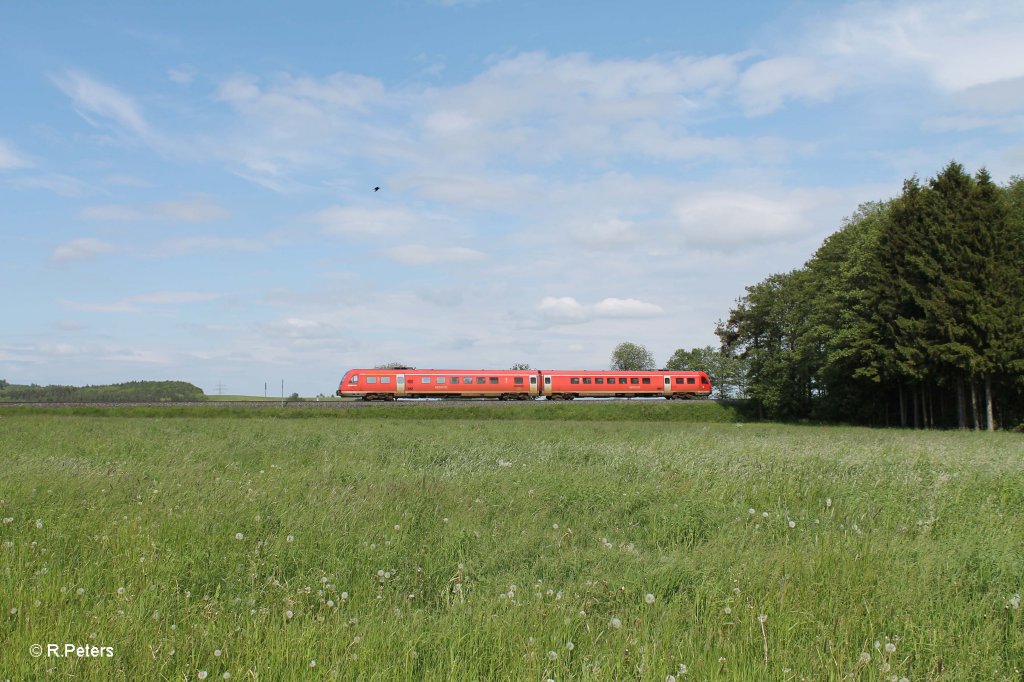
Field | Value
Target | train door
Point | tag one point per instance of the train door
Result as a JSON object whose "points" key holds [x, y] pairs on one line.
{"points": [[399, 384], [668, 387], [534, 388], [547, 385]]}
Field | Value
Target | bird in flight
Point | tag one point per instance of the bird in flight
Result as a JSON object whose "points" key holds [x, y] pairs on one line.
{"points": [[376, 189]]}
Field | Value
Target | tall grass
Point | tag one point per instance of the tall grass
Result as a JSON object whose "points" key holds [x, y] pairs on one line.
{"points": [[397, 549]]}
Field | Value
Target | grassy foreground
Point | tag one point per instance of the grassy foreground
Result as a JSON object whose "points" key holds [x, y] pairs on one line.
{"points": [[396, 549]]}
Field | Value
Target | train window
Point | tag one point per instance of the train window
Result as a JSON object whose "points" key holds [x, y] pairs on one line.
{"points": [[691, 380], [441, 380], [354, 379], [574, 380], [385, 380], [680, 380], [586, 380], [425, 380], [599, 380], [622, 380], [455, 380], [519, 381], [703, 380], [481, 380], [647, 380], [634, 380], [371, 380], [492, 380]]}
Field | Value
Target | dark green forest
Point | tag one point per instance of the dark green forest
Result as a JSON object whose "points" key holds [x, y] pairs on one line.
{"points": [[910, 315], [133, 391]]}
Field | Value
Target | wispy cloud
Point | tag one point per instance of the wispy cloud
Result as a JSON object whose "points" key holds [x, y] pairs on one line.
{"points": [[356, 221], [101, 104], [199, 209], [415, 254], [143, 302], [85, 248], [9, 158]]}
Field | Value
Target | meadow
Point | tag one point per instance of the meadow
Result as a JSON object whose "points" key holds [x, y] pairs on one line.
{"points": [[482, 543]]}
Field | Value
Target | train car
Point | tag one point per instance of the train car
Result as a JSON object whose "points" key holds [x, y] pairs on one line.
{"points": [[570, 384], [389, 384]]}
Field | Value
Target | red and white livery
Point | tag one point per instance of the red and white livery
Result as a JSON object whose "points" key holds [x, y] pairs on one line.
{"points": [[504, 384]]}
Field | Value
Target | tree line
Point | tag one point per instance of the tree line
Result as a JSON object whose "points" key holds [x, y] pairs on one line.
{"points": [[912, 314], [132, 391]]}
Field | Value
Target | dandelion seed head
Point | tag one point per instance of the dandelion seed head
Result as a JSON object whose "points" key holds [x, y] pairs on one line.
{"points": [[288, 614], [552, 655], [763, 618], [312, 663], [649, 598], [239, 536], [792, 524], [865, 657], [615, 623], [728, 610], [890, 648], [764, 514], [217, 652], [751, 511], [202, 674]]}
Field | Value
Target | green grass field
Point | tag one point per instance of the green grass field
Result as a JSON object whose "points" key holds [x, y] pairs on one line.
{"points": [[391, 545]]}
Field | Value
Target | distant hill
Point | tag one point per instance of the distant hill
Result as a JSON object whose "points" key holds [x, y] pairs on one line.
{"points": [[133, 391]]}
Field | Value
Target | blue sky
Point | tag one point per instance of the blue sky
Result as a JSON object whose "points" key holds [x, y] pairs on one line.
{"points": [[186, 190]]}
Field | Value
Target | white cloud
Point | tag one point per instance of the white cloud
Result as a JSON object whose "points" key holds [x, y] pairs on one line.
{"points": [[954, 45], [609, 234], [183, 75], [199, 209], [92, 99], [729, 219], [414, 254], [567, 310], [173, 297], [9, 158], [355, 221], [767, 84], [86, 248], [187, 245], [138, 303], [626, 307]]}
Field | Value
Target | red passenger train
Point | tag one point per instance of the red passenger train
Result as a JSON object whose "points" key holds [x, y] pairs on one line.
{"points": [[525, 384]]}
